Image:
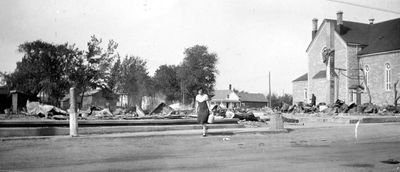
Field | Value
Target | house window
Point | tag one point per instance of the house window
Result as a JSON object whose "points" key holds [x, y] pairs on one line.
{"points": [[387, 77], [305, 94], [366, 72]]}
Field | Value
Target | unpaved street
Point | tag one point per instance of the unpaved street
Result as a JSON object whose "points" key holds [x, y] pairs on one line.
{"points": [[321, 149]]}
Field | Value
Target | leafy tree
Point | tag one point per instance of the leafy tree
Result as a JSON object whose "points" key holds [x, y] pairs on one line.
{"points": [[277, 101], [43, 69], [92, 69], [115, 75], [286, 98], [166, 81], [274, 100], [198, 70], [135, 80]]}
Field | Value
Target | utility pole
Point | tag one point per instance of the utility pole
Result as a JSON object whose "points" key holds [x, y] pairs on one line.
{"points": [[73, 122], [269, 93]]}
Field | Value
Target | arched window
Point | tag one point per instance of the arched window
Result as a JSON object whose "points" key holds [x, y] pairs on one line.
{"points": [[366, 72], [387, 77]]}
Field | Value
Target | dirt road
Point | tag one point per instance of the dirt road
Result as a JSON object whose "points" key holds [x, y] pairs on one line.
{"points": [[320, 149]]}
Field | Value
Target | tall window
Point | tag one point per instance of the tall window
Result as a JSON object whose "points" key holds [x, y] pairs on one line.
{"points": [[366, 72], [387, 77]]}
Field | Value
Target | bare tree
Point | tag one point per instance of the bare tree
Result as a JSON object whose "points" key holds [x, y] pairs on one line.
{"points": [[364, 78], [396, 97]]}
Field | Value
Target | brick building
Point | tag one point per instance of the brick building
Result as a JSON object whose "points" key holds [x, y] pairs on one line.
{"points": [[342, 53]]}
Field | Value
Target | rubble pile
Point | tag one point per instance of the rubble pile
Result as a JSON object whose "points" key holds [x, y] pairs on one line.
{"points": [[42, 110], [161, 111], [341, 107]]}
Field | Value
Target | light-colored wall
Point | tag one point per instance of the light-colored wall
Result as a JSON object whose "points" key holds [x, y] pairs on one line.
{"points": [[318, 87], [319, 90], [341, 59], [315, 63], [298, 91], [377, 77], [352, 69]]}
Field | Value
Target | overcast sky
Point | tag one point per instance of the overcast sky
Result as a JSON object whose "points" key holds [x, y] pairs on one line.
{"points": [[251, 37]]}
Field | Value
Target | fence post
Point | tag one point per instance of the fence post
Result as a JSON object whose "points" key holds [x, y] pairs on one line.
{"points": [[73, 123]]}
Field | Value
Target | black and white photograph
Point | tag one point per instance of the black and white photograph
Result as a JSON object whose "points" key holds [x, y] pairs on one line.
{"points": [[199, 85]]}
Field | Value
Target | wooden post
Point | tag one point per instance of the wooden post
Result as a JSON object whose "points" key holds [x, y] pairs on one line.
{"points": [[73, 123]]}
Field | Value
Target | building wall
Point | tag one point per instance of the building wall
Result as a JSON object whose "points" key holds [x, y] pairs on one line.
{"points": [[377, 77], [315, 63], [345, 58], [320, 90], [341, 60], [318, 87], [352, 69], [298, 91]]}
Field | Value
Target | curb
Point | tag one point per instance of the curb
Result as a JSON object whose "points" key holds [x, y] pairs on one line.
{"points": [[211, 133], [64, 131]]}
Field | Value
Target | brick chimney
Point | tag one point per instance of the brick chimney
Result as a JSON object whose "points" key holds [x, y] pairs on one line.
{"points": [[314, 28], [339, 22]]}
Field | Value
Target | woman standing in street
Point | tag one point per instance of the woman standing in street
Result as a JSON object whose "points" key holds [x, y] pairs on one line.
{"points": [[202, 109]]}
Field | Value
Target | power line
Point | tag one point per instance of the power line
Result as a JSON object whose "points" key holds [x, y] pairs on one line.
{"points": [[364, 6]]}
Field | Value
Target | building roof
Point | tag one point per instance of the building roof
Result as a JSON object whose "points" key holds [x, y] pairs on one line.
{"points": [[353, 32], [321, 74], [252, 97], [302, 78], [383, 36], [377, 37], [220, 94]]}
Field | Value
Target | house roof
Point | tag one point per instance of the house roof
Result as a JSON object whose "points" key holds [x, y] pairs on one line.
{"points": [[302, 78], [252, 97], [221, 94], [377, 37], [243, 97], [321, 74]]}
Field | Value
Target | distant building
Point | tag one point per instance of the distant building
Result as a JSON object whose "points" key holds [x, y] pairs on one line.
{"points": [[231, 99], [337, 52], [252, 100]]}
